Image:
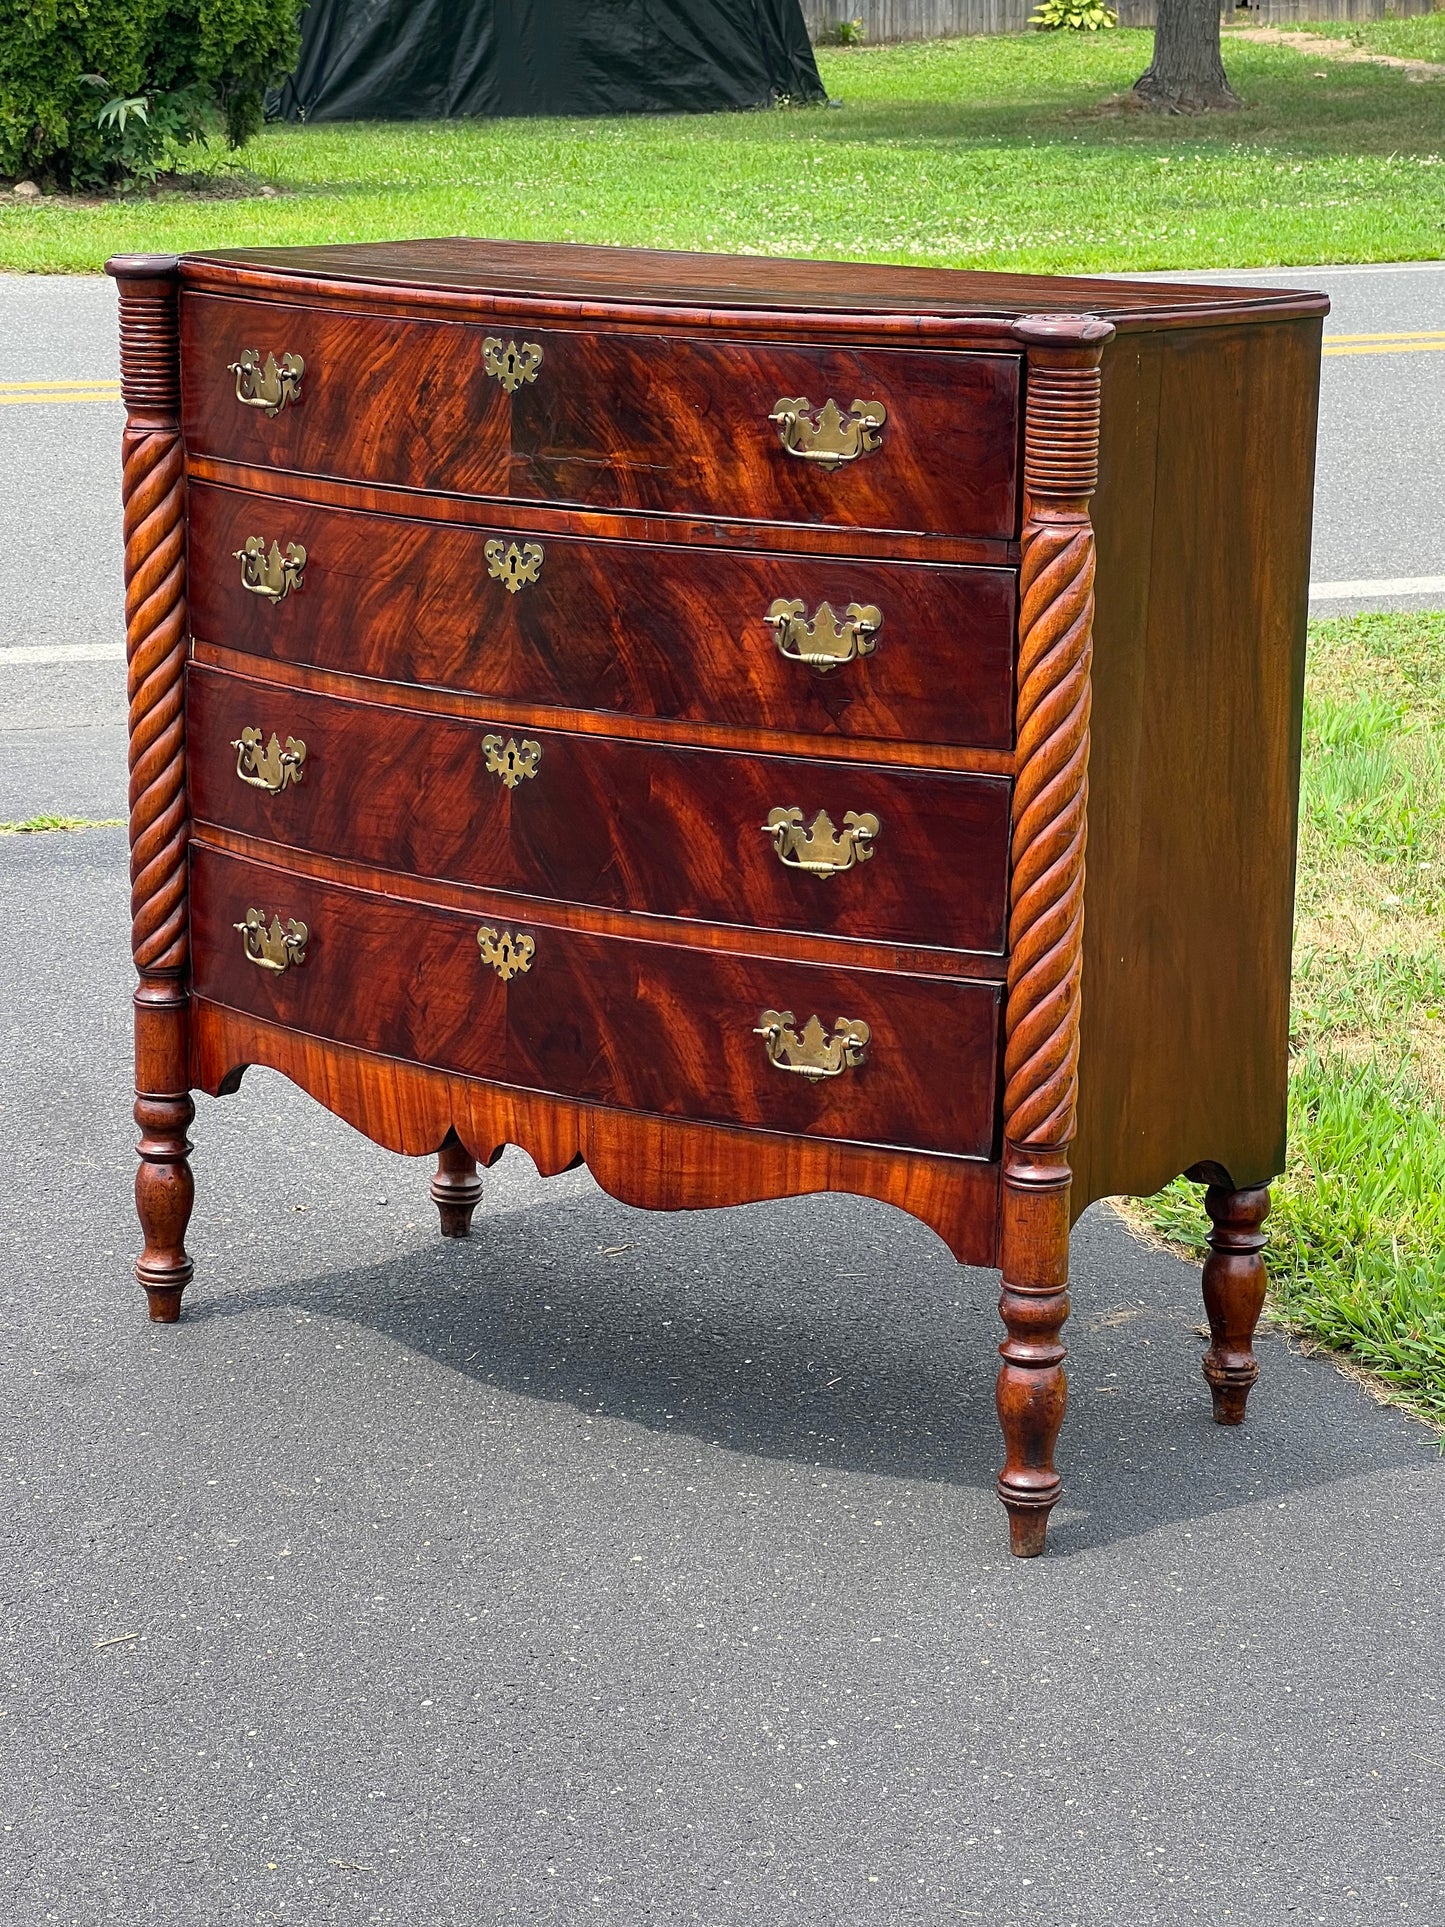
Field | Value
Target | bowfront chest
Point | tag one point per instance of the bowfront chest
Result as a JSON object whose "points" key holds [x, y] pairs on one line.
{"points": [[652, 709]]}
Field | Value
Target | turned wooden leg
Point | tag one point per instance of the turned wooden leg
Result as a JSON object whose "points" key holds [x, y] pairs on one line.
{"points": [[1032, 1389], [164, 1187], [456, 1189], [164, 1194], [1234, 1287]]}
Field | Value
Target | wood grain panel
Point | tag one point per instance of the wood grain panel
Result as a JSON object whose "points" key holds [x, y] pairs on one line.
{"points": [[621, 421], [637, 629], [1203, 519], [400, 401], [657, 1028], [685, 427], [656, 1164], [722, 290], [623, 825]]}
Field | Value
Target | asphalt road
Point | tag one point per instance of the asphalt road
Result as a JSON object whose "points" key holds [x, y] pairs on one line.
{"points": [[623, 1566]]}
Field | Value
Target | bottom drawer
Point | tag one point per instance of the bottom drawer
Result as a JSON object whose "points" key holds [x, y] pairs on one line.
{"points": [[660, 1028]]}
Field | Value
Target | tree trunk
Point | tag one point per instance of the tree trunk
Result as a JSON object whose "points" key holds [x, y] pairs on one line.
{"points": [[1186, 75]]}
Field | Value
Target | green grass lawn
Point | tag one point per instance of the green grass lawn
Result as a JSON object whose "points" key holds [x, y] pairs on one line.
{"points": [[999, 152], [1357, 1235]]}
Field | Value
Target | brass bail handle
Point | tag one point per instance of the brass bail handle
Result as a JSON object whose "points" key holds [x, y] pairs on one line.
{"points": [[812, 1052], [274, 947], [826, 436], [826, 642], [268, 766], [269, 573], [268, 384], [821, 849]]}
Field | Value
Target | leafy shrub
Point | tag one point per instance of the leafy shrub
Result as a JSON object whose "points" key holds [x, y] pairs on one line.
{"points": [[96, 91], [1083, 16], [847, 33]]}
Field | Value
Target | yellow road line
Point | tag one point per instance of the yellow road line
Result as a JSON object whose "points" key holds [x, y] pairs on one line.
{"points": [[21, 394], [1429, 334]]}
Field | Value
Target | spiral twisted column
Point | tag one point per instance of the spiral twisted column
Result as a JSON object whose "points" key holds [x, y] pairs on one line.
{"points": [[1046, 903], [153, 496]]}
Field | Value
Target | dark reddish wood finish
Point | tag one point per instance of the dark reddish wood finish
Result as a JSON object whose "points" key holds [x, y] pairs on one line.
{"points": [[153, 494], [642, 287], [1041, 1058], [1206, 469], [653, 1027], [632, 422], [622, 825], [1234, 1289], [656, 1164], [1124, 1047], [639, 629], [456, 1190], [393, 400]]}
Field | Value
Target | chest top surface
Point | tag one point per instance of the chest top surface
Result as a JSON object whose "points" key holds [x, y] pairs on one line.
{"points": [[463, 270]]}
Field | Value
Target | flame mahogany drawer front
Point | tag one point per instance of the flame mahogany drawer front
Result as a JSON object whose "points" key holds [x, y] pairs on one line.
{"points": [[908, 857], [912, 652], [646, 1026], [924, 441]]}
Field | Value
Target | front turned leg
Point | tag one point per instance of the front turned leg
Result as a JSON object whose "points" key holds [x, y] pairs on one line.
{"points": [[1032, 1389], [164, 1194], [456, 1189], [1234, 1288]]}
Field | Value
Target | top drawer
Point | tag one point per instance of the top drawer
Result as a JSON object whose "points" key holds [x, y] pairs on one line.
{"points": [[918, 442]]}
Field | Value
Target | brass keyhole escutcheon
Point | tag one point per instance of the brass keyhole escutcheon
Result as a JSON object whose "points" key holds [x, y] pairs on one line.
{"points": [[514, 762], [509, 364], [512, 566], [508, 952]]}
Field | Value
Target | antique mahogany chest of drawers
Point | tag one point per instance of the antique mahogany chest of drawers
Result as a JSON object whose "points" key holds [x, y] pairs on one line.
{"points": [[649, 708]]}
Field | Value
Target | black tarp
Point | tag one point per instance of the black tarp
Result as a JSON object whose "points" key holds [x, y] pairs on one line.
{"points": [[435, 59]]}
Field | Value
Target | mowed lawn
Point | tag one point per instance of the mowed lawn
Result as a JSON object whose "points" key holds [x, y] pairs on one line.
{"points": [[1001, 152]]}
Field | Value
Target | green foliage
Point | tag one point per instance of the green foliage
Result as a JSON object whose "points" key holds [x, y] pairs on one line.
{"points": [[97, 91], [1082, 16], [846, 33], [993, 152]]}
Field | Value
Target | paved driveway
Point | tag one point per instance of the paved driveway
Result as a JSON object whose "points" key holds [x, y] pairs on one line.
{"points": [[620, 1566]]}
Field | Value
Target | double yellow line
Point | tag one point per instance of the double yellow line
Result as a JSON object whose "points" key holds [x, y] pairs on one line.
{"points": [[25, 394], [22, 394], [1421, 344]]}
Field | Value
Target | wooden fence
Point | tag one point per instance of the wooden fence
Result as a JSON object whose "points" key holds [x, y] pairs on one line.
{"points": [[939, 19]]}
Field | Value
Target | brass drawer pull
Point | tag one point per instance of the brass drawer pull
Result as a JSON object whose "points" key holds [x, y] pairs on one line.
{"points": [[511, 365], [269, 385], [824, 643], [274, 949], [512, 761], [820, 848], [507, 952], [272, 574], [812, 1053], [826, 435], [515, 567], [271, 768]]}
